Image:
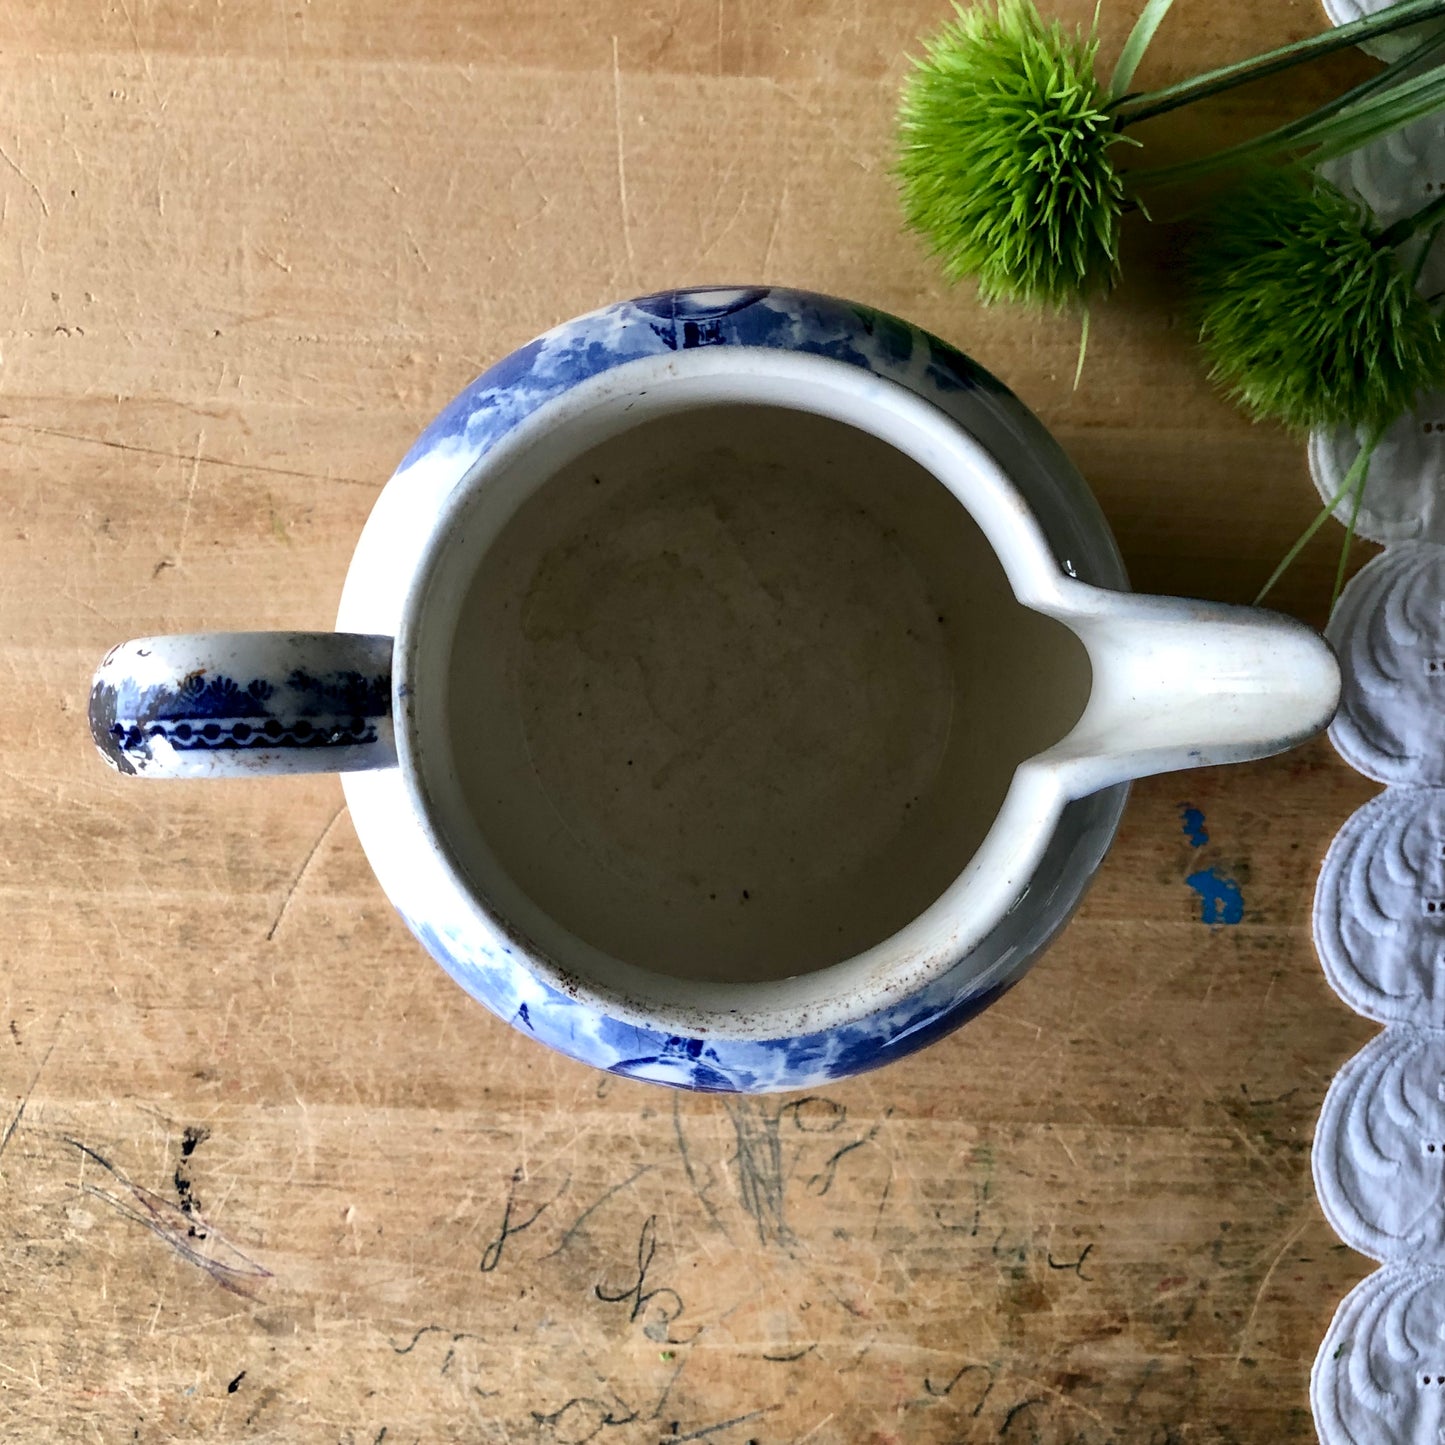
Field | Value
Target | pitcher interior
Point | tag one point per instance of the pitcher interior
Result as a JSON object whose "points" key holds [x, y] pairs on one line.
{"points": [[737, 693]]}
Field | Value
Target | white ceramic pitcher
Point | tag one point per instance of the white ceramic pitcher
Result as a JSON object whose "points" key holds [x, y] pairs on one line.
{"points": [[734, 688]]}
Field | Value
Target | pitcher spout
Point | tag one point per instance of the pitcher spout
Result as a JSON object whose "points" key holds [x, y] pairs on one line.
{"points": [[1185, 684]]}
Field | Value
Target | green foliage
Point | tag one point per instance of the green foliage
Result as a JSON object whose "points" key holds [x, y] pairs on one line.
{"points": [[1005, 137], [1309, 315]]}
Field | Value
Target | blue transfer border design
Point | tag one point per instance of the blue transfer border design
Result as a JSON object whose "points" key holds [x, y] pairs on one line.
{"points": [[236, 734], [211, 712]]}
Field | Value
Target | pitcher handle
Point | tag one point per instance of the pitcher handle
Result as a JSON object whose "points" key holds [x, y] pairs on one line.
{"points": [[1184, 684], [232, 704]]}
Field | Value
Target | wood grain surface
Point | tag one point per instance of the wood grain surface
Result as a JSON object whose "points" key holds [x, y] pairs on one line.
{"points": [[265, 1172]]}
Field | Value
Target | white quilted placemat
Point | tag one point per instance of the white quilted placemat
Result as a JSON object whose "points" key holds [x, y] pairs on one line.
{"points": [[1379, 1378], [1379, 1148], [1379, 916], [1389, 632]]}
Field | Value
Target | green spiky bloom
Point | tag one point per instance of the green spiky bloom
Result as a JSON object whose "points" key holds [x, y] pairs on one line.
{"points": [[1308, 313], [1005, 166]]}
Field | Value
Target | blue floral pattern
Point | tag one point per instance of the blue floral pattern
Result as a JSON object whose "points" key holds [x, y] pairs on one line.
{"points": [[715, 1066], [757, 316]]}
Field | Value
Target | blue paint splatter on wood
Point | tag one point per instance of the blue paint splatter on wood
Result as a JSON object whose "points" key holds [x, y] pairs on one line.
{"points": [[1220, 898], [1194, 829]]}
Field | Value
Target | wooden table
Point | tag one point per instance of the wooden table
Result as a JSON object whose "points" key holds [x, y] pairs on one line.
{"points": [[265, 1172]]}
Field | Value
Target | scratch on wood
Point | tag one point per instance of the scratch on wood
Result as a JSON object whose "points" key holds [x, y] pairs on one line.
{"points": [[301, 873], [883, 1201], [763, 271], [822, 1181], [1064, 1145], [721, 1425], [1016, 1411], [144, 54], [1047, 1391], [808, 1434], [14, 166], [622, 164], [1274, 1264], [190, 496], [19, 1114], [692, 1179], [70, 436], [796, 1355], [195, 1239], [759, 1160], [667, 1388], [592, 1208], [1260, 1158]]}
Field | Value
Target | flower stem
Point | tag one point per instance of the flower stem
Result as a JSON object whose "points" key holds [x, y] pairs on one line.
{"points": [[1352, 480], [1409, 101], [1366, 452], [1083, 345], [1423, 255], [1401, 231], [1150, 16], [1343, 125], [1130, 110], [1383, 80]]}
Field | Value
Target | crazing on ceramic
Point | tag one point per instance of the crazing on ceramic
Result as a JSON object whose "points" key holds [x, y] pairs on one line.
{"points": [[1165, 690]]}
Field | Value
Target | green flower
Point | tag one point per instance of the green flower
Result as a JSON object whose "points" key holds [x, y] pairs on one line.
{"points": [[1308, 313], [1005, 165]]}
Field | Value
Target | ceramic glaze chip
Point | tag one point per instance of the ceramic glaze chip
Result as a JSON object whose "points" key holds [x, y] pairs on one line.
{"points": [[1389, 632], [1379, 1148]]}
